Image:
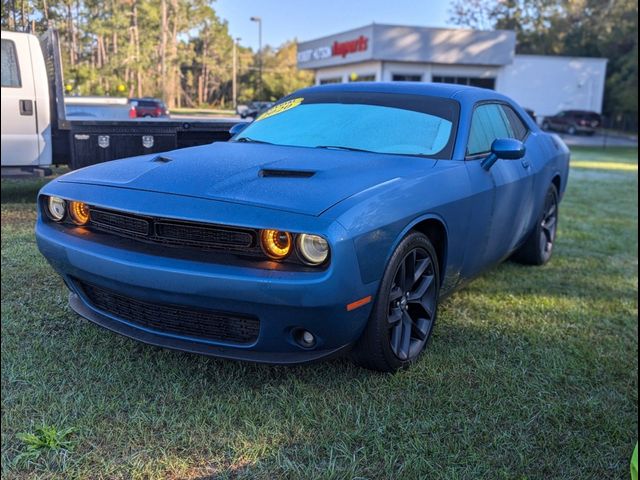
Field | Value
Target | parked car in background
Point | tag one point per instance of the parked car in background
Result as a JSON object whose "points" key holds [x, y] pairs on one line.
{"points": [[149, 107], [253, 109], [573, 122], [300, 238]]}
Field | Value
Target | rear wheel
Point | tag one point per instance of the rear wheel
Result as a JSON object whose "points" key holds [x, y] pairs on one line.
{"points": [[572, 130], [405, 311], [538, 247]]}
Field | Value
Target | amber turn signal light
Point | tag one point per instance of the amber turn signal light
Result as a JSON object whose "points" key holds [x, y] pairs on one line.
{"points": [[276, 243], [79, 212]]}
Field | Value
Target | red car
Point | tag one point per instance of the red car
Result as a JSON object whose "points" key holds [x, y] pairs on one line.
{"points": [[573, 122], [147, 107]]}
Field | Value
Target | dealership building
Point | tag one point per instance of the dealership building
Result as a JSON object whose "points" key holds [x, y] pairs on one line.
{"points": [[386, 53]]}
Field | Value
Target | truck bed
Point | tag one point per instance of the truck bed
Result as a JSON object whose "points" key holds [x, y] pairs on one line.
{"points": [[95, 141]]}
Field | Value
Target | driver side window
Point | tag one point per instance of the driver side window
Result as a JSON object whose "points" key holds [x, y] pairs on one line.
{"points": [[488, 123]]}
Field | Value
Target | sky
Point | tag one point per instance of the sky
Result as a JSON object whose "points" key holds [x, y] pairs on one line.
{"points": [[308, 19]]}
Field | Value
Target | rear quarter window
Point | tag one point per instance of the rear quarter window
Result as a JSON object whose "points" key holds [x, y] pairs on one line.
{"points": [[10, 68], [519, 128]]}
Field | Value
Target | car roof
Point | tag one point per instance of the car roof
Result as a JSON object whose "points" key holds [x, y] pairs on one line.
{"points": [[444, 90]]}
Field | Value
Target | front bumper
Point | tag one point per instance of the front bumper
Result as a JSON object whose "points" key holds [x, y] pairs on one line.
{"points": [[283, 301]]}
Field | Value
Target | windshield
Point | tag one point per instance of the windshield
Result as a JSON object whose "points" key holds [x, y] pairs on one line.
{"points": [[372, 122]]}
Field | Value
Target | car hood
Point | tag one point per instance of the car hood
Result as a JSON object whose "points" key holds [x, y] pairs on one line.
{"points": [[294, 179]]}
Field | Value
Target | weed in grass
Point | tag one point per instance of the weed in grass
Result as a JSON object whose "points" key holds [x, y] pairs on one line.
{"points": [[46, 441]]}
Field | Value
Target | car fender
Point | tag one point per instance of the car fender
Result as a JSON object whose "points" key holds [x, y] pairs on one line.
{"points": [[411, 225]]}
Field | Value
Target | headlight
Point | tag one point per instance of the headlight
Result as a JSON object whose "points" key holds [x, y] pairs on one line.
{"points": [[313, 248], [57, 208], [79, 212], [276, 243]]}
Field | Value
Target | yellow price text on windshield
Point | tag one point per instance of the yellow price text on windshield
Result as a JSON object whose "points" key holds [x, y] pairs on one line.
{"points": [[281, 107]]}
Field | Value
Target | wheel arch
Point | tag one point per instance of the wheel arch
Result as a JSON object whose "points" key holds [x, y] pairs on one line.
{"points": [[435, 228]]}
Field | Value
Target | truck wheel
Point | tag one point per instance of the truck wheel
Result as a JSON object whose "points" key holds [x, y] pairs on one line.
{"points": [[405, 310], [571, 130], [546, 126], [538, 247]]}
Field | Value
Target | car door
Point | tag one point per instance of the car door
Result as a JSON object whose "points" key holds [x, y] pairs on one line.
{"points": [[20, 139], [503, 193]]}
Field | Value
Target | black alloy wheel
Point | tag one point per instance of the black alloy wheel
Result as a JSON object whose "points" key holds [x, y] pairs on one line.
{"points": [[405, 310], [538, 247], [412, 304], [549, 224]]}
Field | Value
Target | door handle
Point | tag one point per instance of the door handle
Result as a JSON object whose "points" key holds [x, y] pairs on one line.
{"points": [[26, 107], [526, 164]]}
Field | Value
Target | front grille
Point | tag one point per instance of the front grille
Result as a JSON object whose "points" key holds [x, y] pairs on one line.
{"points": [[172, 232], [175, 319], [202, 235], [116, 222]]}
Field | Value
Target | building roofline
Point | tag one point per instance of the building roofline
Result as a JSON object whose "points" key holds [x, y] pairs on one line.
{"points": [[394, 25], [560, 57]]}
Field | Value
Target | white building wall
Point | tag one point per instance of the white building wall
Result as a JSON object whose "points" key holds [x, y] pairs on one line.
{"points": [[550, 84], [464, 71], [542, 83]]}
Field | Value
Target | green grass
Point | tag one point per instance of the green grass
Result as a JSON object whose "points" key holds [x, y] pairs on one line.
{"points": [[532, 373]]}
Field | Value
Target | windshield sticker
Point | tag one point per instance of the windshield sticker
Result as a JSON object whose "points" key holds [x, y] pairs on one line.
{"points": [[281, 107]]}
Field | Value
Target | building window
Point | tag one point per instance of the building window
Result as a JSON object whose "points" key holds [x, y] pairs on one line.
{"points": [[325, 81], [400, 77], [362, 78], [489, 82]]}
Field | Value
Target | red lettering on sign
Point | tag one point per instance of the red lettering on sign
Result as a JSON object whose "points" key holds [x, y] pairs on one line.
{"points": [[342, 49]]}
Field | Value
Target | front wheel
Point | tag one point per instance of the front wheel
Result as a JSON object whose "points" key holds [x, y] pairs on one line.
{"points": [[405, 310], [538, 247]]}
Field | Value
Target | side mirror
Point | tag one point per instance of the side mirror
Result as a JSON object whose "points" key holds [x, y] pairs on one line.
{"points": [[237, 128], [506, 149]]}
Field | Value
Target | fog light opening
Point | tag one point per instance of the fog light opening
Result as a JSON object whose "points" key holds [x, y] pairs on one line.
{"points": [[304, 338]]}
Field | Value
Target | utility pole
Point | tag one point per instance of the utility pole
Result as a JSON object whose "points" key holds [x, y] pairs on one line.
{"points": [[234, 81], [259, 22]]}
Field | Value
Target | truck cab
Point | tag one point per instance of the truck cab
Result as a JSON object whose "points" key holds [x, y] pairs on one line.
{"points": [[26, 117]]}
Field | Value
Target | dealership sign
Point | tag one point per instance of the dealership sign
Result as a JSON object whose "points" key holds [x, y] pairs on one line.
{"points": [[338, 49]]}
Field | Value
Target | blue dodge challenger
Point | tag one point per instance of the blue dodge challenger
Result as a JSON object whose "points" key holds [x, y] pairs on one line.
{"points": [[335, 222]]}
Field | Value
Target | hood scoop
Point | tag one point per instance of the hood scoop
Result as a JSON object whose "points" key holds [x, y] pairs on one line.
{"points": [[161, 159], [284, 173]]}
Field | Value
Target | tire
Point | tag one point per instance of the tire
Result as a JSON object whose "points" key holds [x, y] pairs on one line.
{"points": [[400, 325], [538, 247], [572, 130], [546, 126]]}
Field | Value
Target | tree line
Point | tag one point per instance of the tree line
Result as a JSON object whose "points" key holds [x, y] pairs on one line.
{"points": [[179, 50], [182, 51], [590, 28]]}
